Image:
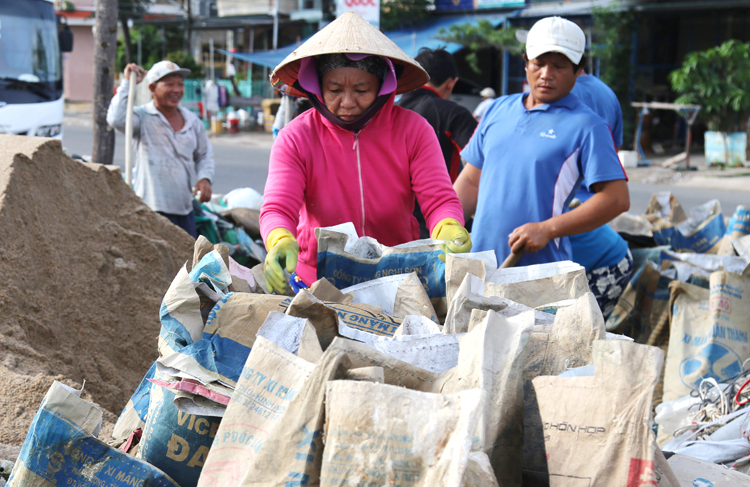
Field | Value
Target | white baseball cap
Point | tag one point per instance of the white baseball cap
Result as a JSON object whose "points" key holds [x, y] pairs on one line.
{"points": [[162, 69], [555, 34]]}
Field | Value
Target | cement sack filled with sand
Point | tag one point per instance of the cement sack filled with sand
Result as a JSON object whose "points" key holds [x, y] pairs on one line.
{"points": [[376, 434], [532, 286], [702, 232], [470, 297], [738, 226], [62, 449], [552, 350], [345, 259], [596, 429], [286, 444], [709, 332]]}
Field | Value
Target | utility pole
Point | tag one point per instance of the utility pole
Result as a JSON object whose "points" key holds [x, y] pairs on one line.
{"points": [[188, 26], [104, 66]]}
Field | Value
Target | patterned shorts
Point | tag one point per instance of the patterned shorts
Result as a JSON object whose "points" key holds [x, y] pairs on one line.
{"points": [[608, 283]]}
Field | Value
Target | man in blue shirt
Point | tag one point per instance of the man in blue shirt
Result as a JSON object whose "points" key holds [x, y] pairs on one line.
{"points": [[602, 251], [531, 152]]}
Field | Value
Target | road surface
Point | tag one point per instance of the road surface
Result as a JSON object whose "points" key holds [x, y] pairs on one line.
{"points": [[239, 166]]}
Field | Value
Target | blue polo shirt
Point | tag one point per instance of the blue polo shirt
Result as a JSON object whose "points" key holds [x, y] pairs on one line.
{"points": [[532, 163], [595, 94]]}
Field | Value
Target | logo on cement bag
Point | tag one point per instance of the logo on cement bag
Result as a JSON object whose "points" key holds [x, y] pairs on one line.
{"points": [[174, 441], [713, 360]]}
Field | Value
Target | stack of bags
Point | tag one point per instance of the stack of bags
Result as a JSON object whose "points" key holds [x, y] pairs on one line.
{"points": [[419, 373]]}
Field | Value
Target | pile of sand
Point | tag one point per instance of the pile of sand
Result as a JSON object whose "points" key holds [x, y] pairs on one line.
{"points": [[84, 265]]}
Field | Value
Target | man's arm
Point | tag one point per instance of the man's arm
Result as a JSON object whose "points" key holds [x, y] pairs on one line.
{"points": [[611, 199], [118, 106], [204, 164], [467, 188]]}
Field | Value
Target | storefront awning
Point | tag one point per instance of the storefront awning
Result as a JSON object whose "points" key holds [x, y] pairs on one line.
{"points": [[410, 40]]}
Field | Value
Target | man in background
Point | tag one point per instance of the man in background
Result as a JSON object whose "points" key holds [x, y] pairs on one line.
{"points": [[453, 123], [170, 144], [488, 96], [602, 251]]}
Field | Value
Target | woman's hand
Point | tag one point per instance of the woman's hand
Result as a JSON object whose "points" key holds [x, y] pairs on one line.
{"points": [[455, 237], [283, 251]]}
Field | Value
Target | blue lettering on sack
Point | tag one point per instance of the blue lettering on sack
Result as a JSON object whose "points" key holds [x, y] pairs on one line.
{"points": [[701, 241], [58, 451], [343, 272]]}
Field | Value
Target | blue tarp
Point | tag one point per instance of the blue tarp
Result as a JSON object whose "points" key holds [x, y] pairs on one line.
{"points": [[410, 40]]}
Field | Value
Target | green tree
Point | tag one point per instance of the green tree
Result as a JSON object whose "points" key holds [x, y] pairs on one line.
{"points": [[612, 34], [152, 44], [184, 60], [718, 80], [481, 36], [126, 10], [401, 14]]}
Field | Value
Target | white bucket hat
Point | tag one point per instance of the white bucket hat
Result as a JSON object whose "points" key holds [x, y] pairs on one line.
{"points": [[352, 35], [555, 34], [162, 69]]}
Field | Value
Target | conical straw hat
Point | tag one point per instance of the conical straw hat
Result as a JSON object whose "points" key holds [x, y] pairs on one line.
{"points": [[349, 34]]}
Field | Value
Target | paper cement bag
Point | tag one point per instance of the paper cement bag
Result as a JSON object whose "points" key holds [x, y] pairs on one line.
{"points": [[434, 353], [354, 320], [665, 205], [61, 449], [709, 262], [228, 336], [709, 333], [701, 232], [399, 296], [553, 349], [699, 473], [271, 379], [738, 226], [376, 434], [596, 429], [346, 261], [492, 358], [742, 247], [133, 416], [176, 442], [457, 266], [478, 471], [539, 284], [470, 297], [642, 312], [180, 313]]}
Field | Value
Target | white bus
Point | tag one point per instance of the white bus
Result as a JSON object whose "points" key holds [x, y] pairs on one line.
{"points": [[31, 81]]}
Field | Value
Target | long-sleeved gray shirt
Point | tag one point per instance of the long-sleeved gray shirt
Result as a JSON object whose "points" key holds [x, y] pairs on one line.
{"points": [[166, 163]]}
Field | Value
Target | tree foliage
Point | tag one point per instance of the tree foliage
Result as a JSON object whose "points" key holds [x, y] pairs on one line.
{"points": [[718, 80], [152, 46], [612, 35], [481, 36], [401, 14]]}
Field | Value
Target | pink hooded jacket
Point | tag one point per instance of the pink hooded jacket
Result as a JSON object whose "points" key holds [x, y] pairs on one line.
{"points": [[322, 175]]}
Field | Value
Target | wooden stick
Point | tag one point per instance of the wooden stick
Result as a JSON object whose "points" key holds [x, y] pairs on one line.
{"points": [[511, 260], [129, 130]]}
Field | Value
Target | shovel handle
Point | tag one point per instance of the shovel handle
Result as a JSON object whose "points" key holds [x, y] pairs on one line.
{"points": [[511, 260], [129, 130]]}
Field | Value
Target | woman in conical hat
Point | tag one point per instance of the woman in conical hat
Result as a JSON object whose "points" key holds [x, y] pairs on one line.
{"points": [[354, 157]]}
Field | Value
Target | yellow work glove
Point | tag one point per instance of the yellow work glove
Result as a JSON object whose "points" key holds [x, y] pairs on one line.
{"points": [[455, 236], [283, 250]]}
